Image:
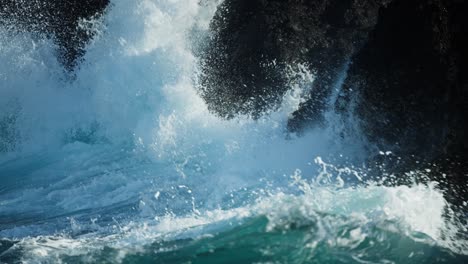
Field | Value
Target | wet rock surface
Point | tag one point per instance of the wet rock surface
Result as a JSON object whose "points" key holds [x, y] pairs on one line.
{"points": [[411, 78], [411, 82], [254, 40], [407, 63], [59, 20], [406, 81]]}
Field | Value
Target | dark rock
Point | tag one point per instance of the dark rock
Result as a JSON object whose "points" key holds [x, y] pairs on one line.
{"points": [[253, 41], [408, 65], [411, 77], [56, 19], [408, 72]]}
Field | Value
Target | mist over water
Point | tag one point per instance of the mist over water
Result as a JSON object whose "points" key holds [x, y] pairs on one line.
{"points": [[120, 160]]}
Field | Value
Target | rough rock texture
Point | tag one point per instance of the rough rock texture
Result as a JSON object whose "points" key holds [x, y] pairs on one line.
{"points": [[408, 64], [411, 77], [56, 18], [254, 40], [408, 70]]}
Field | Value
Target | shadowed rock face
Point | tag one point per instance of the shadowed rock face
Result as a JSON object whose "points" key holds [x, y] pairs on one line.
{"points": [[253, 41], [56, 18], [408, 64], [408, 69], [411, 77]]}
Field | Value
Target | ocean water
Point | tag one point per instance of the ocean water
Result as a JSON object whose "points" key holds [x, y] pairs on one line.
{"points": [[121, 162]]}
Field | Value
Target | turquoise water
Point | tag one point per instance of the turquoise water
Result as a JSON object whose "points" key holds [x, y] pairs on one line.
{"points": [[121, 162], [249, 243]]}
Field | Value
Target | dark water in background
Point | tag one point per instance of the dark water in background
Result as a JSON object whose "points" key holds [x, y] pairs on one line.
{"points": [[122, 162]]}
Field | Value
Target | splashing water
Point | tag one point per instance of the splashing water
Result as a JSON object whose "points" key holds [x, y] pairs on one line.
{"points": [[122, 162]]}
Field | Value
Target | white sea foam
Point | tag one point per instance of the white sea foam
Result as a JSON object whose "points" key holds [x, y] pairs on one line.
{"points": [[362, 208]]}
